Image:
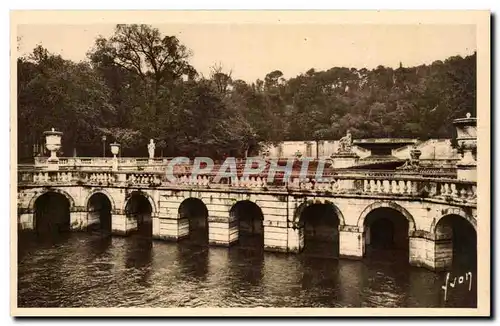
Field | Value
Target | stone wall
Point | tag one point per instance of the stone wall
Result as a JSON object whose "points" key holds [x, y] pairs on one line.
{"points": [[281, 225]]}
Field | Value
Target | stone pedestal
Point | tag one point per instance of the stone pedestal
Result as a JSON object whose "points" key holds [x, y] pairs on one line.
{"points": [[344, 160], [53, 144], [351, 244], [467, 142], [422, 252], [174, 229], [222, 231], [78, 221], [275, 238], [295, 240], [25, 221], [122, 224], [467, 172]]}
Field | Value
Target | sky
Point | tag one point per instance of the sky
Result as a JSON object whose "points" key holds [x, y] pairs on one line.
{"points": [[250, 51]]}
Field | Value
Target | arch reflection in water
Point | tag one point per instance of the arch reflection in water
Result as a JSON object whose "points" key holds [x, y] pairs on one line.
{"points": [[126, 273], [193, 261], [194, 213], [250, 224], [138, 258], [138, 210]]}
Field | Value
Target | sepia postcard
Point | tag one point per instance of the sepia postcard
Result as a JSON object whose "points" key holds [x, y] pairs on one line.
{"points": [[250, 163]]}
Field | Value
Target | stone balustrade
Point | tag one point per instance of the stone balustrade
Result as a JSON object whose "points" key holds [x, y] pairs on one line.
{"points": [[349, 183]]}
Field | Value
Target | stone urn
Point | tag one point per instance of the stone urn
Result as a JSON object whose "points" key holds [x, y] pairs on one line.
{"points": [[467, 142], [467, 137], [115, 150], [53, 144]]}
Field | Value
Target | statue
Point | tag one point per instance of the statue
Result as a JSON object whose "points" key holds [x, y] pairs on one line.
{"points": [[345, 143], [151, 148]]}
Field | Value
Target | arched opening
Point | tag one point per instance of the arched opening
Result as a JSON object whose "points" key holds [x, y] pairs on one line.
{"points": [[386, 234], [456, 244], [52, 214], [250, 220], [193, 215], [99, 213], [139, 209], [320, 223]]}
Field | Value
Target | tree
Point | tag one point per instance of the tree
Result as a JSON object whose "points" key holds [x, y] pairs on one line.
{"points": [[140, 49], [60, 94]]}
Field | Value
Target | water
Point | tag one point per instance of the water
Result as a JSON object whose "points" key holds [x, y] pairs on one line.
{"points": [[88, 270]]}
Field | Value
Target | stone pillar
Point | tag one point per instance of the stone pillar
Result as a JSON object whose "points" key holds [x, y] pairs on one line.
{"points": [[275, 236], [122, 224], [422, 250], [351, 242], [467, 141], [78, 219], [222, 231], [168, 228], [344, 160], [25, 221], [167, 224], [295, 242], [434, 252]]}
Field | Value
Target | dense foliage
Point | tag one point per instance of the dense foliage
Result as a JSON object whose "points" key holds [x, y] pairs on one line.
{"points": [[138, 85]]}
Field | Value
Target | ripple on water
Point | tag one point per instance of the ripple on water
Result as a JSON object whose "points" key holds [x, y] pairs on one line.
{"points": [[88, 271]]}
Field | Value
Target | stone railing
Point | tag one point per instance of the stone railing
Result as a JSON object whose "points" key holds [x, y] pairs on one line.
{"points": [[354, 184]]}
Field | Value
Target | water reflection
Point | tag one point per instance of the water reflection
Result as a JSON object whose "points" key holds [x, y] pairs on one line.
{"points": [[82, 269], [138, 259], [193, 261]]}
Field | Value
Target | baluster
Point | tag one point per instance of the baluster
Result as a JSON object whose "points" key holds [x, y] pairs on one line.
{"points": [[405, 187], [382, 188], [471, 193], [454, 191], [389, 187], [463, 193], [449, 189], [398, 188]]}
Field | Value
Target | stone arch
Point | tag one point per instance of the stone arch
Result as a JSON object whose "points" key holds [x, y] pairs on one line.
{"points": [[298, 211], [31, 205], [393, 205], [143, 193], [101, 191], [454, 211], [190, 198]]}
